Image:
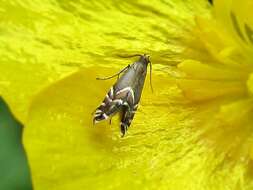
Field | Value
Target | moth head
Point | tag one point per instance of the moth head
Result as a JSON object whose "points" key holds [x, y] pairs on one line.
{"points": [[145, 58]]}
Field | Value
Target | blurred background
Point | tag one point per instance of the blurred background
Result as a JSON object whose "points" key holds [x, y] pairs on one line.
{"points": [[15, 174]]}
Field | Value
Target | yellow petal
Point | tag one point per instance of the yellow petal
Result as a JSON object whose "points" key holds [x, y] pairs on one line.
{"points": [[42, 42], [66, 151], [250, 84], [231, 115], [60, 131], [209, 81], [197, 70], [202, 90]]}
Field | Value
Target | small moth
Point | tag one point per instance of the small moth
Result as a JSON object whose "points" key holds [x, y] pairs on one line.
{"points": [[125, 94]]}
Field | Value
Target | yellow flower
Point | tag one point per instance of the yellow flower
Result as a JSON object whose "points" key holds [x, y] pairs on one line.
{"points": [[217, 79], [193, 132]]}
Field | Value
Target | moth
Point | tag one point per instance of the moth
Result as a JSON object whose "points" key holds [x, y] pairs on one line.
{"points": [[125, 94]]}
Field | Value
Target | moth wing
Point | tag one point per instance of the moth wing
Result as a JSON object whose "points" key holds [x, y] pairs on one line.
{"points": [[109, 107]]}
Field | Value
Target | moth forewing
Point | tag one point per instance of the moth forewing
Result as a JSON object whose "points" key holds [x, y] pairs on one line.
{"points": [[125, 94]]}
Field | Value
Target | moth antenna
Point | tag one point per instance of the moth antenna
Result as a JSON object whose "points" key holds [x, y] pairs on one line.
{"points": [[106, 78], [115, 75], [150, 77], [129, 56]]}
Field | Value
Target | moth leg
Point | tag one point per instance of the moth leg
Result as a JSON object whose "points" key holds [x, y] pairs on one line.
{"points": [[117, 74]]}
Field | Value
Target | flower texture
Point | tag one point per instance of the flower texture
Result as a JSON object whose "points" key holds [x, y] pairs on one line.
{"points": [[217, 78], [193, 132]]}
